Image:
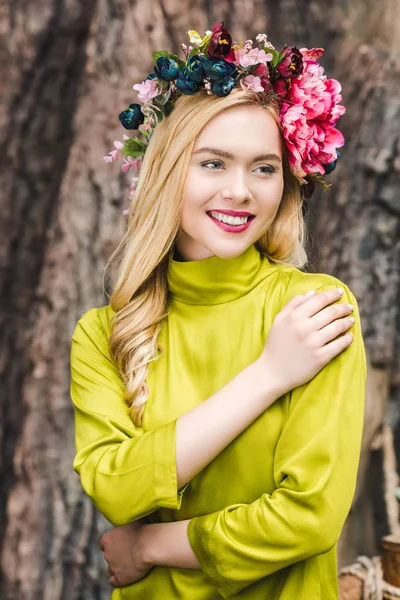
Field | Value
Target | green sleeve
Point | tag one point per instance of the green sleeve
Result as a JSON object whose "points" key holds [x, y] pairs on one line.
{"points": [[127, 472], [315, 469]]}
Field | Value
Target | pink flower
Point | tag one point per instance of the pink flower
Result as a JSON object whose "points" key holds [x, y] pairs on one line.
{"points": [[308, 120], [238, 55], [254, 57], [252, 83], [145, 127], [147, 90], [312, 54], [113, 155], [263, 57], [131, 163]]}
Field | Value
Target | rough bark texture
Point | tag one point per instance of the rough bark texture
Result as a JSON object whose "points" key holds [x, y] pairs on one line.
{"points": [[67, 69], [357, 227]]}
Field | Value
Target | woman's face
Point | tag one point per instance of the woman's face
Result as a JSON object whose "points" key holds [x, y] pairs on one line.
{"points": [[236, 167]]}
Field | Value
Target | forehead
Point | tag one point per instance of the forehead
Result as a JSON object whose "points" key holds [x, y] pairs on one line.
{"points": [[248, 127]]}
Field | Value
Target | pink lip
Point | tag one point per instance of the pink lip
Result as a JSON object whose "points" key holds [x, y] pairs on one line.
{"points": [[230, 228], [233, 213]]}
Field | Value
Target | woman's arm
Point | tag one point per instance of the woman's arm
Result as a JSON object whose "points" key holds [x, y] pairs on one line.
{"points": [[301, 329], [128, 472], [315, 468], [167, 544]]}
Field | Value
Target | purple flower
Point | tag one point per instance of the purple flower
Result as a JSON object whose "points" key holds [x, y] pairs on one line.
{"points": [[292, 64], [220, 45]]}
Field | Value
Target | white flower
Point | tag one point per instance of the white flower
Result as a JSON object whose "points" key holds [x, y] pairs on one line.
{"points": [[261, 38]]}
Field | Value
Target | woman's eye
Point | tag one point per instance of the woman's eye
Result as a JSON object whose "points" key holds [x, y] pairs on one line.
{"points": [[211, 162], [268, 169]]}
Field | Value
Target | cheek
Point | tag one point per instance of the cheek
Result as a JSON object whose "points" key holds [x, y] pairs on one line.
{"points": [[198, 189]]}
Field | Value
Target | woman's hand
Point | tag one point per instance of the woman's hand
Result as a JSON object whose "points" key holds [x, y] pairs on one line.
{"points": [[122, 547], [300, 344]]}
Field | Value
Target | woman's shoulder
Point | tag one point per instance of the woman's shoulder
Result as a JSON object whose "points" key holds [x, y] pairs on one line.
{"points": [[297, 281], [95, 323]]}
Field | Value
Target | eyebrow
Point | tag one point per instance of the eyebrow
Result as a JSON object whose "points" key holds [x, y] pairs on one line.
{"points": [[224, 154]]}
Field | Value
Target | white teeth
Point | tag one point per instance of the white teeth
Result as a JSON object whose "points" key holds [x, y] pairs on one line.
{"points": [[228, 219]]}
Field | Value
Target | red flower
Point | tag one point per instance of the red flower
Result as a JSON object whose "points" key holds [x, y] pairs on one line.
{"points": [[281, 88], [262, 71], [220, 45], [292, 64]]}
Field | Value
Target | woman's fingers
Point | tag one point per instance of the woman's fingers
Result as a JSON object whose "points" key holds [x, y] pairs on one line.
{"points": [[294, 303], [329, 351], [316, 303], [331, 331], [330, 314]]}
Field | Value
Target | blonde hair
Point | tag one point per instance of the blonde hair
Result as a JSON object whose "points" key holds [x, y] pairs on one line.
{"points": [[140, 294]]}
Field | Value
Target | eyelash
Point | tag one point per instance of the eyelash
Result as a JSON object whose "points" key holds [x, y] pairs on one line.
{"points": [[271, 171]]}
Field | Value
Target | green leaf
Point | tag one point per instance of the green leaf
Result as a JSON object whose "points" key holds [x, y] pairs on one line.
{"points": [[134, 147], [160, 53], [194, 51], [275, 58]]}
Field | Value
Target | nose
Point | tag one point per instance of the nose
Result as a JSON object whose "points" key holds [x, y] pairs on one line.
{"points": [[235, 187]]}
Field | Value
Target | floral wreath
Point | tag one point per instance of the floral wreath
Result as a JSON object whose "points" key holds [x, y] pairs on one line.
{"points": [[309, 102]]}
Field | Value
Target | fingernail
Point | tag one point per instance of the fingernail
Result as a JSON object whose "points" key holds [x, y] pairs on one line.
{"points": [[341, 291], [309, 293]]}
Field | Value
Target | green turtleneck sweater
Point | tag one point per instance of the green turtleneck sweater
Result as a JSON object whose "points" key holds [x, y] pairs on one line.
{"points": [[266, 513]]}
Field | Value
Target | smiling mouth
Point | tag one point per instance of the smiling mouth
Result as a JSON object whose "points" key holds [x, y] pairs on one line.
{"points": [[229, 219]]}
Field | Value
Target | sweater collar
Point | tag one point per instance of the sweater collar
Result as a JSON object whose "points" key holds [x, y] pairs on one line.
{"points": [[215, 280]]}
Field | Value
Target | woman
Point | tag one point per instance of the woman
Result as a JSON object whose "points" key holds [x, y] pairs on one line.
{"points": [[219, 397]]}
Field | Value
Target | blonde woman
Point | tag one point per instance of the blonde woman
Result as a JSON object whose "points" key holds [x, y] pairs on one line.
{"points": [[219, 397]]}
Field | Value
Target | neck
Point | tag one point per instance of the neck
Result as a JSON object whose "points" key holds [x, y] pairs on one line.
{"points": [[215, 280]]}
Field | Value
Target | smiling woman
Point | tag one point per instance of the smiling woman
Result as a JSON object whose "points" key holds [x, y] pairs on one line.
{"points": [[250, 181], [219, 397]]}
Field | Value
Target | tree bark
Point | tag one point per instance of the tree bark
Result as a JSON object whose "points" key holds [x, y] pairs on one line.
{"points": [[67, 70]]}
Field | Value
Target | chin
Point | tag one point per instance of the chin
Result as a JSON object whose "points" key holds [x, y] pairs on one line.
{"points": [[232, 250]]}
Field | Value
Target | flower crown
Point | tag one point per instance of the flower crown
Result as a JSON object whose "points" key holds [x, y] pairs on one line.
{"points": [[309, 102]]}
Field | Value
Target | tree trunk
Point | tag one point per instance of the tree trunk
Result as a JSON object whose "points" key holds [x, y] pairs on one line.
{"points": [[357, 225], [67, 70]]}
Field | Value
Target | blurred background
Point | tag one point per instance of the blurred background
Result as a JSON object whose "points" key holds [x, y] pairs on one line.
{"points": [[67, 69]]}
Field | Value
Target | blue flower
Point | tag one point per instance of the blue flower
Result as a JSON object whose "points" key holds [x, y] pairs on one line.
{"points": [[132, 117], [151, 75], [332, 165], [223, 88], [218, 69], [185, 83], [195, 68], [166, 68]]}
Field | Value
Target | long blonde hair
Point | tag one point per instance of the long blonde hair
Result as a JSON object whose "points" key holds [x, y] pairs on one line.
{"points": [[140, 294]]}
